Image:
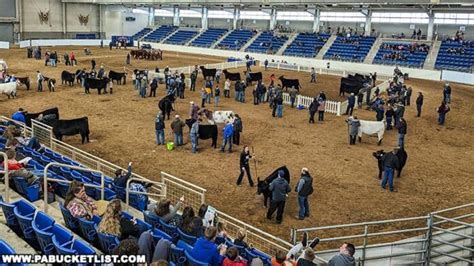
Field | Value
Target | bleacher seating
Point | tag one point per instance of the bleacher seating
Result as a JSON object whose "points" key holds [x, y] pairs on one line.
{"points": [[235, 40], [208, 37], [267, 42], [6, 249], [160, 33], [408, 55], [306, 44], [454, 55], [141, 33], [181, 37], [354, 48]]}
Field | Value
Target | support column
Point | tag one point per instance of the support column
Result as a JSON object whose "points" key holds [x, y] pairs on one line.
{"points": [[176, 20], [273, 19], [429, 32], [368, 23], [64, 18], [204, 16], [151, 16], [317, 19], [101, 23], [236, 18]]}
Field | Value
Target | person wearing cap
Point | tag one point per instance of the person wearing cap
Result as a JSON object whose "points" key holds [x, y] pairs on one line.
{"points": [[19, 116], [390, 163], [177, 128], [228, 132], [160, 129], [447, 93], [279, 188], [101, 72], [304, 189], [350, 104], [193, 110], [194, 135], [402, 131]]}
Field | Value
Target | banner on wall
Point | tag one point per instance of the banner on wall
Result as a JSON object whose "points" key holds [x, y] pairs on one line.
{"points": [[128, 39]]}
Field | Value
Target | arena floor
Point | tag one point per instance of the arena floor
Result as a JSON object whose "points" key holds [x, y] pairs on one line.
{"points": [[438, 173]]}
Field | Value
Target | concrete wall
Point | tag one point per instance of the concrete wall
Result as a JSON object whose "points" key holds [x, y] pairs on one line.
{"points": [[163, 20], [8, 17], [115, 24], [254, 24], [6, 32], [387, 29], [190, 22], [298, 26]]}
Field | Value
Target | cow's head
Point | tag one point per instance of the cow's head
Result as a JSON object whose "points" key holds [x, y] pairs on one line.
{"points": [[262, 186], [281, 77], [378, 154], [202, 67]]}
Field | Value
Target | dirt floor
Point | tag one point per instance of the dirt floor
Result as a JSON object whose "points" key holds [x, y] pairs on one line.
{"points": [[438, 173]]}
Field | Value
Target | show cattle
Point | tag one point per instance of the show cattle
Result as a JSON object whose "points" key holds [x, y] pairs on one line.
{"points": [[119, 77], [371, 128], [71, 127], [205, 131], [166, 105], [68, 77], [353, 83], [251, 77], [24, 81], [231, 76], [150, 54], [99, 84], [263, 186], [289, 83], [208, 72], [9, 89], [51, 111], [402, 159]]}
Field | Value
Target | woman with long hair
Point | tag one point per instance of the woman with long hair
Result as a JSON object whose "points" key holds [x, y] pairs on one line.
{"points": [[114, 224], [244, 166], [78, 203], [190, 223], [165, 212]]}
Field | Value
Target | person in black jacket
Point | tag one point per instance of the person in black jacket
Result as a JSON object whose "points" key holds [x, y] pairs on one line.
{"points": [[190, 223], [313, 107], [237, 130], [389, 114], [304, 189], [279, 188], [160, 129], [419, 104], [153, 87], [114, 224], [244, 166], [390, 163], [402, 131]]}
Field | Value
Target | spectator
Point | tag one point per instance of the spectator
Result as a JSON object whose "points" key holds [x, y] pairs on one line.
{"points": [[389, 163], [153, 87], [190, 223], [354, 125], [408, 96], [203, 97], [419, 104], [193, 80], [228, 131], [360, 98], [245, 166], [345, 256], [402, 131], [40, 80], [160, 129], [389, 114], [193, 135], [233, 258], [143, 85], [447, 93], [193, 111], [165, 212], [280, 259], [279, 188], [313, 75], [237, 126], [379, 112], [19, 116], [17, 168], [293, 93], [217, 95], [218, 76], [177, 128], [222, 230], [443, 109], [227, 88], [279, 106], [266, 64], [121, 177], [112, 223], [313, 107], [239, 240], [78, 203], [304, 190], [72, 57], [350, 104], [321, 109], [205, 250]]}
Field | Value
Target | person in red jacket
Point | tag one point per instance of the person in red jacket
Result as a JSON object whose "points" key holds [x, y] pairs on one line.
{"points": [[233, 258], [17, 168]]}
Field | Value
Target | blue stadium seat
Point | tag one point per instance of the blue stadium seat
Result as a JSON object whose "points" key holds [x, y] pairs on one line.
{"points": [[24, 213], [208, 37], [8, 212], [31, 192], [354, 48], [6, 249], [141, 33], [186, 238], [306, 44], [160, 33], [151, 218], [88, 228], [158, 234], [71, 222], [236, 39], [457, 61], [76, 247], [192, 261], [267, 42], [181, 37], [107, 242], [43, 227], [177, 256], [171, 230]]}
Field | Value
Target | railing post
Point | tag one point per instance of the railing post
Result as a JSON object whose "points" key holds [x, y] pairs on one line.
{"points": [[7, 179], [429, 239], [366, 231], [338, 109], [293, 235]]}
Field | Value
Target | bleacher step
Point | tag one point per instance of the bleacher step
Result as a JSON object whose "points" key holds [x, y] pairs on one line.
{"points": [[195, 37], [169, 35], [287, 43], [152, 30], [249, 42], [431, 58], [221, 39], [326, 47], [373, 51]]}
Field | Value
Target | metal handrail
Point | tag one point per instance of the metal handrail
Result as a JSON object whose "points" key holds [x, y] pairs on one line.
{"points": [[7, 179], [453, 220], [127, 190], [46, 179]]}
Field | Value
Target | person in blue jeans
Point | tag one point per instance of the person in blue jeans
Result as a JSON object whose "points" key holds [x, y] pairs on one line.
{"points": [[279, 107], [443, 109], [193, 135], [160, 129], [389, 163], [304, 189], [228, 131], [177, 128], [40, 81], [402, 131]]}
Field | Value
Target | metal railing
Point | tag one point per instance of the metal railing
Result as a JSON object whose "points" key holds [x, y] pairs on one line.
{"points": [[128, 191], [194, 195], [46, 179], [6, 177]]}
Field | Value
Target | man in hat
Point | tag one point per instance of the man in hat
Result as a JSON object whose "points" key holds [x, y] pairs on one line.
{"points": [[160, 129], [177, 128], [279, 188], [390, 163], [304, 189], [193, 110], [350, 104]]}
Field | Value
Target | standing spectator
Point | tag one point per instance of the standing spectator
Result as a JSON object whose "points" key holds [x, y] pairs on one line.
{"points": [[379, 112], [354, 125], [350, 104], [255, 95], [279, 106], [368, 96], [228, 131], [177, 128], [345, 256], [218, 76], [237, 126], [93, 64], [389, 163], [194, 134], [313, 75], [127, 59], [408, 96], [143, 85], [208, 94], [153, 87], [193, 110], [402, 131], [227, 88], [72, 57], [360, 98], [193, 80], [447, 93], [160, 129], [111, 45], [419, 104], [101, 73], [313, 107], [203, 97], [245, 166], [266, 64], [279, 188], [40, 80], [443, 109], [293, 93], [66, 59], [321, 109], [304, 189], [389, 114]]}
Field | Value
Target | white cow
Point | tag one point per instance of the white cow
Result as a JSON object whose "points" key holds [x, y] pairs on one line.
{"points": [[370, 128], [222, 117], [9, 89], [153, 74]]}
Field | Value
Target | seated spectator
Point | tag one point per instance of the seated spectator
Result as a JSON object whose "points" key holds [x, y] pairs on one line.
{"points": [[345, 256], [17, 168], [78, 203], [190, 223], [280, 259], [233, 258], [205, 250], [240, 239], [114, 224], [165, 212], [222, 230], [15, 137]]}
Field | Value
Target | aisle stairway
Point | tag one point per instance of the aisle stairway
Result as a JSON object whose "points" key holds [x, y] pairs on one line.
{"points": [[373, 51], [291, 38], [326, 47], [431, 58]]}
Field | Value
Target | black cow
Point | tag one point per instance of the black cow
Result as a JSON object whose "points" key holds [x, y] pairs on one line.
{"points": [[353, 83], [99, 84], [25, 81], [68, 77], [402, 159], [71, 127], [288, 83], [208, 72], [253, 77], [118, 76], [231, 76], [51, 111], [166, 105], [263, 186], [205, 131]]}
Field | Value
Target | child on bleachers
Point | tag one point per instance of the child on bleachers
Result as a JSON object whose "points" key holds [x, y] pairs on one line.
{"points": [[233, 258]]}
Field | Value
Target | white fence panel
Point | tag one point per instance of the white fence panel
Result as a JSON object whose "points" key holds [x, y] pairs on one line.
{"points": [[286, 99], [4, 45], [333, 107], [24, 44]]}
